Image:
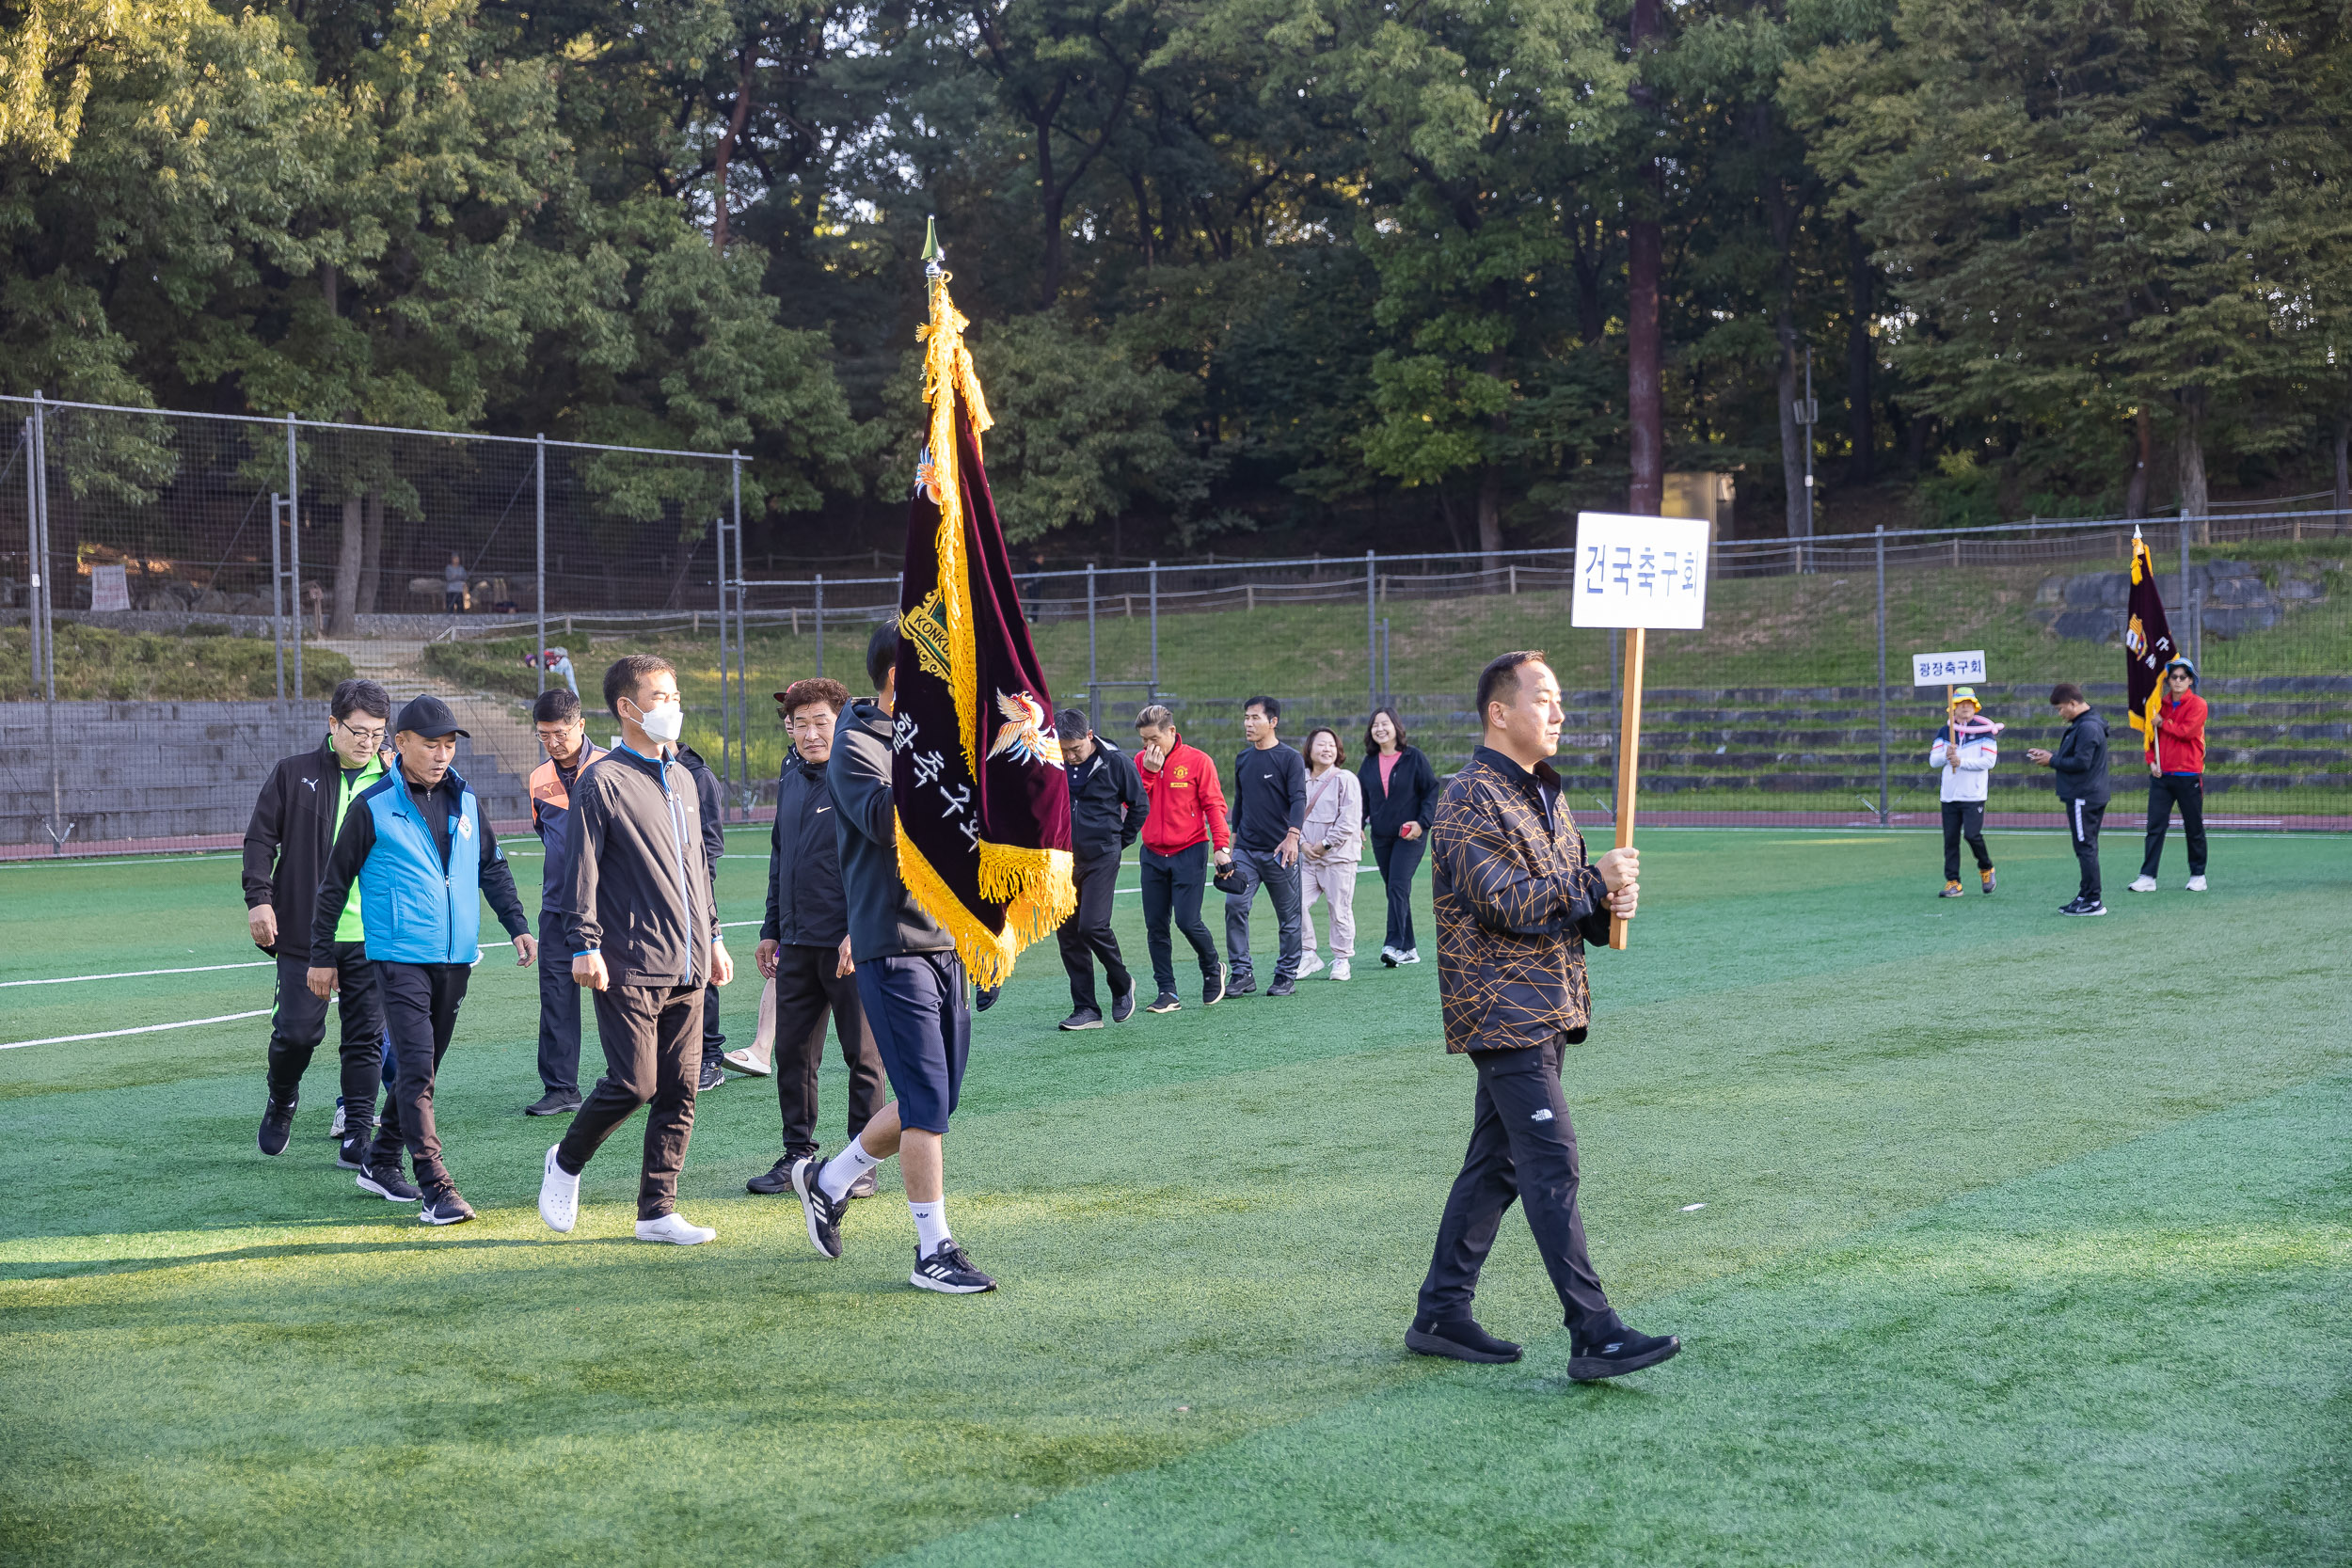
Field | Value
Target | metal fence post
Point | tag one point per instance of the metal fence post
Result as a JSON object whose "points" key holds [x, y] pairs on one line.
{"points": [[32, 555], [821, 623], [294, 549], [1880, 550], [742, 631], [44, 569], [278, 591], [1094, 673], [539, 553], [726, 704], [2189, 604], [1372, 635], [1155, 577]]}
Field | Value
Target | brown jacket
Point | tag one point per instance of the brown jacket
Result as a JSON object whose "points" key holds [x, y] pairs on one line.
{"points": [[1515, 903]]}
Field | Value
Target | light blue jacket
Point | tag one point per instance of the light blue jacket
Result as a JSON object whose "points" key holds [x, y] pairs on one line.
{"points": [[421, 910]]}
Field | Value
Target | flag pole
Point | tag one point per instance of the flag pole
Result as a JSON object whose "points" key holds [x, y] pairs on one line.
{"points": [[1628, 759]]}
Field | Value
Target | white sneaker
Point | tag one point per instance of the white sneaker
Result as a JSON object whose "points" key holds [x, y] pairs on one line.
{"points": [[559, 1195], [1338, 969], [743, 1061], [1410, 956], [337, 1131], [1310, 964], [2196, 884], [2143, 884], [673, 1229]]}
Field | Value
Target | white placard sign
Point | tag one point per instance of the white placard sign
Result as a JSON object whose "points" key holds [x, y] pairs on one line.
{"points": [[109, 588], [1947, 669], [1640, 572]]}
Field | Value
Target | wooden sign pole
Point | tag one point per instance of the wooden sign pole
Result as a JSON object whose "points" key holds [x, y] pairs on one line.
{"points": [[1628, 758]]}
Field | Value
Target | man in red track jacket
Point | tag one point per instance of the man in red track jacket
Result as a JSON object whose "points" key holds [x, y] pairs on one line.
{"points": [[1187, 813], [2176, 776]]}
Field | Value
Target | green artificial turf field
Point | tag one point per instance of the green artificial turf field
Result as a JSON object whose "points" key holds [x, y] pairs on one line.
{"points": [[2025, 1240]]}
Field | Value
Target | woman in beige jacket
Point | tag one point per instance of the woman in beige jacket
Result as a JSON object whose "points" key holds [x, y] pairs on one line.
{"points": [[1330, 845]]}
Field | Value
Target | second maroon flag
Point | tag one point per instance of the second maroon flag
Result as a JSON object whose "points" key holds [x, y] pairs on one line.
{"points": [[2148, 645]]}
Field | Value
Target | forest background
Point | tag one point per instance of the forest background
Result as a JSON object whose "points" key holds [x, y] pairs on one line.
{"points": [[1247, 276]]}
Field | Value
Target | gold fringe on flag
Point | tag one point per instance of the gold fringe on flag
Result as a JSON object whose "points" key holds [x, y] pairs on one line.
{"points": [[947, 373], [1042, 896]]}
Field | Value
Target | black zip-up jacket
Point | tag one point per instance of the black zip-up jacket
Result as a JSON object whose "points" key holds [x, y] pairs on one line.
{"points": [[1106, 803], [2080, 761], [714, 810], [1411, 795], [640, 872], [287, 841], [340, 873], [885, 922], [806, 905]]}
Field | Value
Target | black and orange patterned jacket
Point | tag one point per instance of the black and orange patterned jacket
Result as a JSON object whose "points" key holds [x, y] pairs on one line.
{"points": [[1515, 903]]}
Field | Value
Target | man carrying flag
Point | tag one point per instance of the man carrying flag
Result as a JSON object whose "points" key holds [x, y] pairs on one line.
{"points": [[2171, 718], [952, 813]]}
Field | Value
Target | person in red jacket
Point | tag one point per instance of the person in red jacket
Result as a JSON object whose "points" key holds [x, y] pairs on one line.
{"points": [[1187, 816], [2176, 775]]}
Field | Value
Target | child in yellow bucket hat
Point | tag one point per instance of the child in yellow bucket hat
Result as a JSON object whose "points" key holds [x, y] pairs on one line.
{"points": [[1963, 754]]}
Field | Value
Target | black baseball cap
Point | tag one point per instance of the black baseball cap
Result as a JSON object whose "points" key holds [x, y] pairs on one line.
{"points": [[427, 716]]}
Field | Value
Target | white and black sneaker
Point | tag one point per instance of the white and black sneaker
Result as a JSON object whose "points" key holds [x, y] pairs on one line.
{"points": [[445, 1207], [1211, 988], [2084, 906], [1409, 955], [387, 1182], [337, 1131], [1085, 1018], [1123, 1005], [352, 1154], [823, 1214], [950, 1272], [1167, 1002], [1388, 957], [277, 1125]]}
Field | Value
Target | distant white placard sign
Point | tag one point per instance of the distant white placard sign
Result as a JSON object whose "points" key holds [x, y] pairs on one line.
{"points": [[1946, 669], [109, 588], [1640, 572]]}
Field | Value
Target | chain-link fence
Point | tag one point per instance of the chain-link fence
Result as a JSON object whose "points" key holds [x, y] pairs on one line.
{"points": [[207, 580]]}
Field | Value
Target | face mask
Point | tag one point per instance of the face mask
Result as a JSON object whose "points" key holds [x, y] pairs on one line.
{"points": [[664, 724]]}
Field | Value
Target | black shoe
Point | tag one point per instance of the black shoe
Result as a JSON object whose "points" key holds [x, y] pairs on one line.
{"points": [[1123, 1005], [713, 1075], [950, 1272], [1164, 1003], [1244, 984], [387, 1182], [1620, 1350], [985, 997], [276, 1124], [555, 1103], [864, 1186], [352, 1154], [775, 1183], [2084, 906], [445, 1207], [823, 1214], [1085, 1018], [1282, 988], [1461, 1338], [1213, 988]]}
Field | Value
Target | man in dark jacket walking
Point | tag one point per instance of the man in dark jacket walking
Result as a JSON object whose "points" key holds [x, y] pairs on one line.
{"points": [[1515, 902], [909, 983], [1269, 813], [286, 845], [562, 733], [644, 932], [2080, 763], [419, 848], [804, 941], [714, 814], [1106, 811]]}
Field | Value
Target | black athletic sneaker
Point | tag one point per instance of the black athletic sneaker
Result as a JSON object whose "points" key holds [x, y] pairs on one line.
{"points": [[1085, 1018], [775, 1183], [1244, 984], [984, 997], [713, 1075], [445, 1207], [1123, 1005], [823, 1214], [1165, 1003], [387, 1182], [1213, 988], [1620, 1350], [276, 1124], [950, 1272], [2084, 906], [1282, 988], [1461, 1338], [555, 1103], [352, 1154]]}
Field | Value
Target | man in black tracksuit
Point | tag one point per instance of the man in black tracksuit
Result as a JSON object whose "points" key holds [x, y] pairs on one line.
{"points": [[804, 941], [286, 845], [2080, 763], [643, 930], [1106, 811], [713, 805], [564, 736]]}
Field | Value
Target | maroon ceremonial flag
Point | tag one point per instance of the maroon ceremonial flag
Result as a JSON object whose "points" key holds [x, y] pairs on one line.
{"points": [[2148, 645]]}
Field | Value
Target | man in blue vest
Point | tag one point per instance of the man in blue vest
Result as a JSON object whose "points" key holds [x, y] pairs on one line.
{"points": [[418, 845]]}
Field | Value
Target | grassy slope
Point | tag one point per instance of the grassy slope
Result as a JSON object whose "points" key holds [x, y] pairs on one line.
{"points": [[1226, 1212], [94, 663]]}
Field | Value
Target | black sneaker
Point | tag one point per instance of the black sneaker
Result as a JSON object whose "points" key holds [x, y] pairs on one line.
{"points": [[1244, 984], [445, 1207], [2084, 906], [864, 1186], [1461, 1338], [1213, 988], [950, 1272], [1123, 1005], [1282, 988], [1085, 1018], [276, 1124], [555, 1103], [985, 997], [1165, 1003], [352, 1154], [1618, 1351], [776, 1181], [823, 1214], [713, 1075], [387, 1182]]}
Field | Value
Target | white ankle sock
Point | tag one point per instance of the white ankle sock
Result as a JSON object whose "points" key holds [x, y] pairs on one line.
{"points": [[931, 1226], [844, 1169]]}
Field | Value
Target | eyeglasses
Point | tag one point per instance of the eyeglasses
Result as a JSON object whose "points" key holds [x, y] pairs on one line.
{"points": [[373, 738]]}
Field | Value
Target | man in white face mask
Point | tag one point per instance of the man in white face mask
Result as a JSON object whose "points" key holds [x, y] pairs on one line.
{"points": [[643, 927]]}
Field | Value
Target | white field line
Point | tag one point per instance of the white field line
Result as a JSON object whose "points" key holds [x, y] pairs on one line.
{"points": [[137, 974], [142, 1029]]}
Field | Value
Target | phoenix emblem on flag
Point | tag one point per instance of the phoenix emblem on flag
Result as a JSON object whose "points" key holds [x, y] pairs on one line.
{"points": [[1025, 735]]}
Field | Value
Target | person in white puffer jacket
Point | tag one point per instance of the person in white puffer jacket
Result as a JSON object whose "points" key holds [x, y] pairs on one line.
{"points": [[1964, 755], [1331, 844]]}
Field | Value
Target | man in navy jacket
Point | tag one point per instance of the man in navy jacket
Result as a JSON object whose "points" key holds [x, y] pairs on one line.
{"points": [[564, 736], [1106, 810], [2080, 763]]}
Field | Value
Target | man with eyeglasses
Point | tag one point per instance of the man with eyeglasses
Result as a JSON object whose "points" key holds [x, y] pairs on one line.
{"points": [[564, 736], [295, 822]]}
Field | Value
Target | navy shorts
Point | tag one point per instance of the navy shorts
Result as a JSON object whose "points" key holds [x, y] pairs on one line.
{"points": [[915, 1004]]}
